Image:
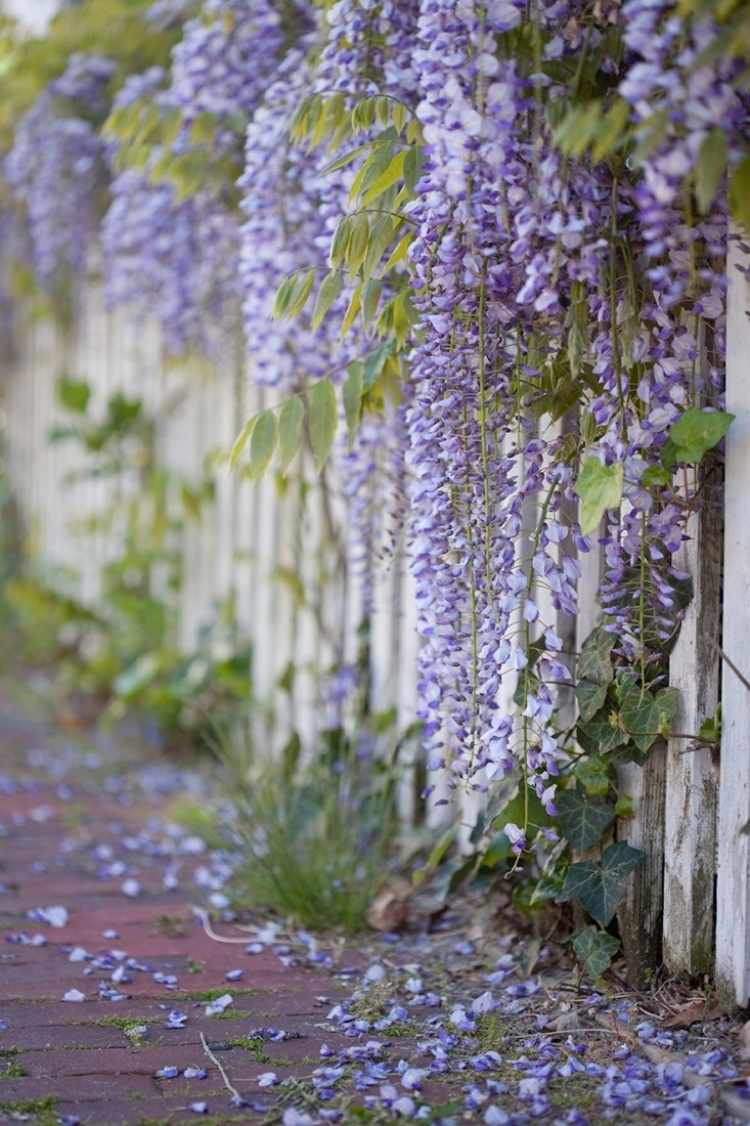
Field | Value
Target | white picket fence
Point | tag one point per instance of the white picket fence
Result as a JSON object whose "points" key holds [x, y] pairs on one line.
{"points": [[692, 895]]}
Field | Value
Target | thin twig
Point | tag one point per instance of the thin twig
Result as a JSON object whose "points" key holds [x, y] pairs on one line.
{"points": [[203, 916], [227, 1082], [735, 670]]}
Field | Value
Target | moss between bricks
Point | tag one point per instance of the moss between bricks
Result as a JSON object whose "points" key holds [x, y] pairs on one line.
{"points": [[208, 995], [43, 1110], [13, 1070], [252, 1044]]}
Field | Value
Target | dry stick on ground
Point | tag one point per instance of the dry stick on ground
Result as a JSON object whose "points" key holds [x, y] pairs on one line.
{"points": [[734, 1105], [225, 1078], [203, 916]]}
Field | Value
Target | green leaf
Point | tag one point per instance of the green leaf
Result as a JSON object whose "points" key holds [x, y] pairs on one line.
{"points": [[399, 253], [601, 734], [582, 819], [343, 161], [340, 241], [595, 950], [73, 394], [656, 475], [612, 130], [387, 178], [262, 443], [590, 698], [373, 364], [646, 716], [241, 441], [595, 660], [601, 887], [593, 774], [284, 296], [351, 393], [739, 193], [291, 417], [436, 856], [330, 289], [355, 304], [624, 806], [413, 167], [710, 729], [301, 292], [381, 236], [709, 169], [599, 487], [697, 431], [358, 242], [371, 297], [323, 420]]}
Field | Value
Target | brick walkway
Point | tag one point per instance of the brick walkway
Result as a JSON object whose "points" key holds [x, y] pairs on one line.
{"points": [[135, 958], [164, 1024]]}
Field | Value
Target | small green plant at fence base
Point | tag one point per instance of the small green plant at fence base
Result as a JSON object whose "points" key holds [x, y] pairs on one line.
{"points": [[317, 834]]}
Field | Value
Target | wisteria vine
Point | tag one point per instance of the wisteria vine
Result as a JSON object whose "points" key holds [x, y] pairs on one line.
{"points": [[520, 213]]}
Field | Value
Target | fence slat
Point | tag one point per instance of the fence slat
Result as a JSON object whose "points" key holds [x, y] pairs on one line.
{"points": [[733, 882], [692, 775]]}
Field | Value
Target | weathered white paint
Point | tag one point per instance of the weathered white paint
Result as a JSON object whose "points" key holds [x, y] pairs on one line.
{"points": [[238, 547], [247, 546], [692, 773], [733, 884]]}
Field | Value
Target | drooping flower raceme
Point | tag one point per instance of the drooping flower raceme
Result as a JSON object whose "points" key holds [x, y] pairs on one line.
{"points": [[57, 166]]}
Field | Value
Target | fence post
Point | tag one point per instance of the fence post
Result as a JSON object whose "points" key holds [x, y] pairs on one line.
{"points": [[733, 883], [692, 774], [640, 914]]}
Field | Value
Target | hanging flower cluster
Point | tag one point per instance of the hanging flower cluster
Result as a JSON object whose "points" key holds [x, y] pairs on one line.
{"points": [[556, 174], [673, 342], [57, 166]]}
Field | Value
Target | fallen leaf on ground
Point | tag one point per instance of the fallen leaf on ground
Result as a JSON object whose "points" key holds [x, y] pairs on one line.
{"points": [[389, 909], [690, 1014]]}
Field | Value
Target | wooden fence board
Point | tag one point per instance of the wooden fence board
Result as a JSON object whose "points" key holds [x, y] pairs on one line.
{"points": [[692, 772], [733, 877]]}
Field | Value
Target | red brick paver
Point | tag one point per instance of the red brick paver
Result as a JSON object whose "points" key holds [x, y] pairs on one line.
{"points": [[85, 1057]]}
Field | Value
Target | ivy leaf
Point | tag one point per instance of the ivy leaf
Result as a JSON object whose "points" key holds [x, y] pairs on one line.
{"points": [[656, 475], [601, 887], [323, 420], [593, 774], [646, 716], [582, 820], [262, 443], [709, 169], [601, 734], [291, 417], [599, 487], [595, 661], [710, 730], [595, 949], [73, 394], [590, 698], [696, 431], [330, 288], [351, 393]]}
